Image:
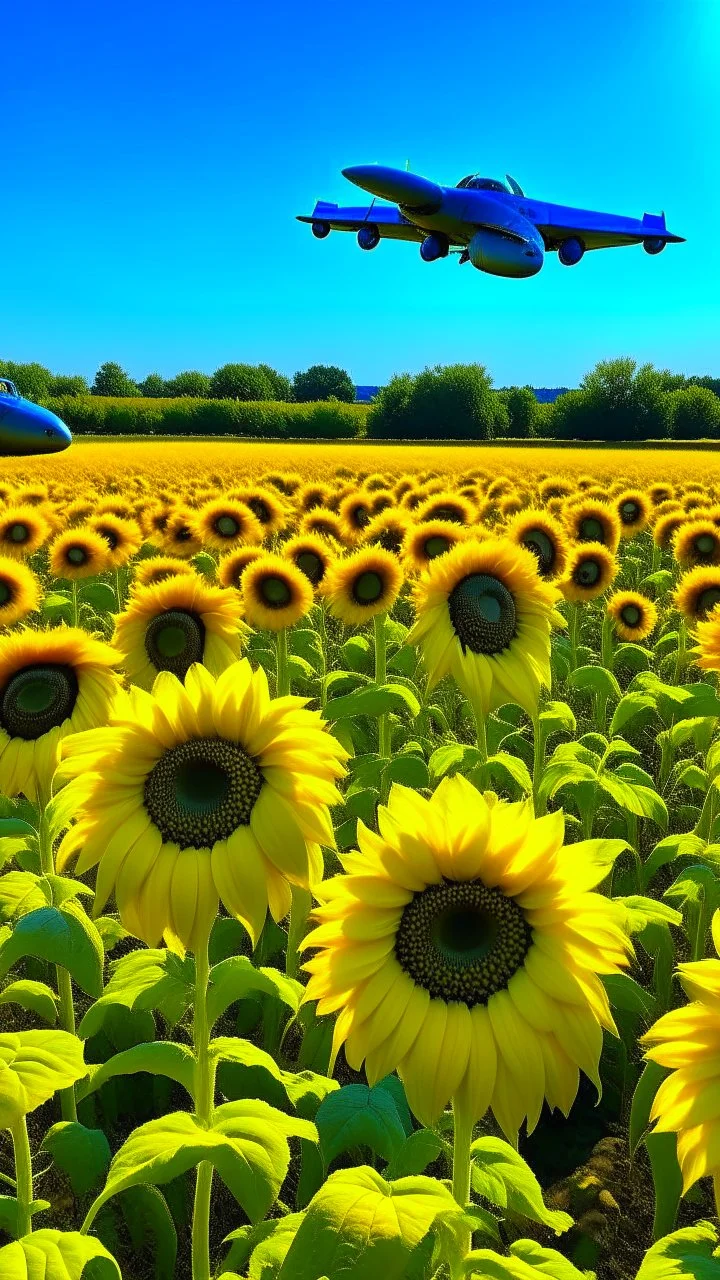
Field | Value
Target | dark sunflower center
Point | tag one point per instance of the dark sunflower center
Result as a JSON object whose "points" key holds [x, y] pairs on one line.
{"points": [[630, 615], [6, 593], [537, 541], [462, 941], [587, 573], [705, 544], [447, 512], [174, 640], [437, 545], [368, 588], [275, 591], [183, 533], [110, 537], [707, 600], [38, 699], [18, 532], [77, 555], [360, 516], [201, 791], [309, 563], [391, 540], [227, 526], [629, 511], [260, 509], [591, 530], [482, 613]]}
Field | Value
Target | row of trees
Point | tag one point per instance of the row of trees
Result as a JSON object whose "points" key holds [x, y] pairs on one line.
{"points": [[229, 382]]}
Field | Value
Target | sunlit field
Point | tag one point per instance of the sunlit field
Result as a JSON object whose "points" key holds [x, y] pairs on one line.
{"points": [[359, 863]]}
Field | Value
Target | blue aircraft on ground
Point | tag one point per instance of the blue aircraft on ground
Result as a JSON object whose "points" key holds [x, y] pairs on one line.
{"points": [[495, 227], [26, 427]]}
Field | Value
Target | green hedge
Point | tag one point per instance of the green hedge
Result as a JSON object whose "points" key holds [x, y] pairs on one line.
{"points": [[260, 420]]}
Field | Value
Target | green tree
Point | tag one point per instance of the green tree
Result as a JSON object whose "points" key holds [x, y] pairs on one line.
{"points": [[112, 380], [32, 380], [389, 417], [454, 402], [280, 385], [69, 384], [240, 382], [524, 412], [617, 400], [190, 383], [153, 387], [694, 414], [323, 382]]}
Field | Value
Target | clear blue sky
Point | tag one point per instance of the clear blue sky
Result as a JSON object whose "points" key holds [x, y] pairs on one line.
{"points": [[154, 155]]}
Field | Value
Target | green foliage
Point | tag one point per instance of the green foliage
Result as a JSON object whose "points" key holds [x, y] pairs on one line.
{"points": [[617, 400], [57, 1255], [694, 414], [32, 380], [525, 413], [323, 382], [190, 383], [153, 386], [240, 382], [112, 380], [454, 402], [190, 416], [63, 384]]}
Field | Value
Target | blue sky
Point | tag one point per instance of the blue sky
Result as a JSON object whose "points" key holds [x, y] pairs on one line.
{"points": [[155, 154]]}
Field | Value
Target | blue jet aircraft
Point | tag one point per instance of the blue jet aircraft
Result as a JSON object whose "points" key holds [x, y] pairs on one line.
{"points": [[26, 427], [495, 227]]}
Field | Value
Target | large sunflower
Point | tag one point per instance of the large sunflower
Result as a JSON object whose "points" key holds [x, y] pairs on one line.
{"points": [[23, 530], [666, 528], [78, 553], [545, 537], [707, 634], [590, 570], [697, 542], [171, 624], [462, 948], [311, 554], [19, 592], [697, 592], [389, 529], [275, 593], [484, 616], [687, 1041], [231, 567], [593, 521], [447, 505], [123, 538], [634, 509], [198, 792], [362, 585], [52, 683]]}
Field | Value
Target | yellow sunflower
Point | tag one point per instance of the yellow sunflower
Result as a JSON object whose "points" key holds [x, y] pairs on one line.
{"points": [[484, 615], [179, 537], [593, 521], [707, 633], [430, 539], [634, 616], [324, 523], [266, 507], [355, 515], [360, 586], [696, 542], [232, 566], [447, 506], [223, 525], [310, 554], [545, 537], [78, 553], [23, 530], [154, 520], [202, 792], [687, 1041], [462, 947], [634, 509], [313, 495], [275, 593], [389, 529], [658, 493], [171, 624], [697, 593], [52, 683], [591, 568], [666, 527], [123, 538], [554, 487], [19, 592], [158, 568]]}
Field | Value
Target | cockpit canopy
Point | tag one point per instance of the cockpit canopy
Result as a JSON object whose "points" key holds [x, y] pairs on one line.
{"points": [[8, 388], [475, 183]]}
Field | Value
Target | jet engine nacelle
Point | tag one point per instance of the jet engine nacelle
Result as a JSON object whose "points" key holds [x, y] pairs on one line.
{"points": [[503, 255], [433, 247]]}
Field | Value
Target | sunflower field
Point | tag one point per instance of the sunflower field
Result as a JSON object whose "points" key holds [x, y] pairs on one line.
{"points": [[359, 864]]}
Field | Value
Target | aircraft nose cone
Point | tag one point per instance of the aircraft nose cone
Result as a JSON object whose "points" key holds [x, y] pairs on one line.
{"points": [[403, 188], [58, 437]]}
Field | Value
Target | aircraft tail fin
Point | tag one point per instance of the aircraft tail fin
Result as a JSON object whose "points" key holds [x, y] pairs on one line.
{"points": [[655, 221]]}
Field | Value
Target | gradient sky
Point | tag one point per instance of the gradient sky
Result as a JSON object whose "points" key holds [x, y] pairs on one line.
{"points": [[155, 154]]}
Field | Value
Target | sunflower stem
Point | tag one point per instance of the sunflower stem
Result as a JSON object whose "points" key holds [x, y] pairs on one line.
{"points": [[75, 611], [481, 735], [573, 620], [204, 1089], [300, 909], [462, 1141], [324, 647], [282, 688], [538, 764], [656, 557], [62, 977], [380, 679], [23, 1176], [608, 650]]}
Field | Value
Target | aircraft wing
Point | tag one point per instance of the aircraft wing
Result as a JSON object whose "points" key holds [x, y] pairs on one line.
{"points": [[386, 217], [598, 230]]}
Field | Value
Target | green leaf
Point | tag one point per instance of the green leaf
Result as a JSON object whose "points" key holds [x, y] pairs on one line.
{"points": [[111, 931], [563, 773], [22, 892], [362, 804], [360, 1226], [557, 717], [62, 935], [546, 1262], [634, 656], [685, 1255], [55, 604], [356, 654], [15, 827], [667, 1179], [417, 1152], [640, 800], [373, 700], [144, 979], [644, 1096], [151, 1228], [595, 680], [355, 1116], [667, 850], [502, 766], [57, 1255], [500, 1174], [409, 770], [33, 1065], [629, 708], [9, 1213], [246, 1144], [627, 994], [692, 776], [83, 1154], [99, 595], [246, 1242], [644, 911], [451, 758], [159, 1058], [236, 978], [35, 997]]}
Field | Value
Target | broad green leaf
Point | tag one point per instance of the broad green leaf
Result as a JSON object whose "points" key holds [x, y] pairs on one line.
{"points": [[417, 1152], [57, 1255], [667, 1179], [373, 700], [15, 827], [356, 654], [33, 1065], [21, 892], [503, 765], [625, 993], [691, 775], [236, 978], [99, 595], [83, 1154], [268, 1256], [546, 1262], [667, 850], [151, 1228], [356, 1116], [501, 1175], [9, 1213], [695, 884], [595, 680], [246, 1144], [144, 979], [563, 773], [689, 1254], [451, 758], [409, 770], [557, 717], [634, 656], [362, 804], [64, 888], [640, 800], [36, 997], [159, 1058], [62, 935], [644, 1096], [644, 911], [629, 708], [360, 1226], [393, 1085], [111, 931]]}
